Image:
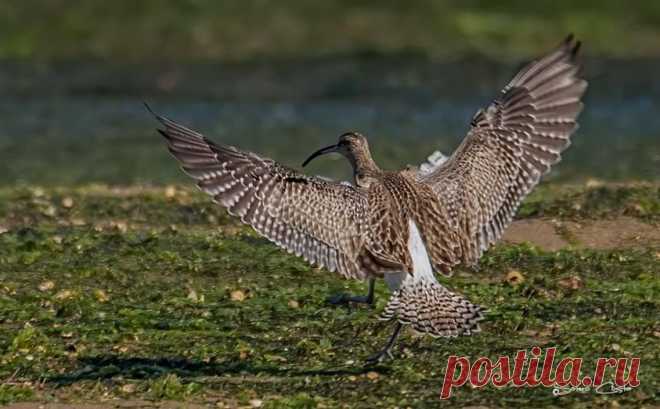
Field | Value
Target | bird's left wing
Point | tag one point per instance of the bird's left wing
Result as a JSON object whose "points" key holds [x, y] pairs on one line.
{"points": [[319, 220]]}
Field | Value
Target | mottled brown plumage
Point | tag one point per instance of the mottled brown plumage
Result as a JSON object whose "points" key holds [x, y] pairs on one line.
{"points": [[456, 207], [512, 143]]}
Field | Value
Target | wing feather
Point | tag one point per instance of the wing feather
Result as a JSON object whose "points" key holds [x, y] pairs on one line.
{"points": [[321, 221], [511, 144]]}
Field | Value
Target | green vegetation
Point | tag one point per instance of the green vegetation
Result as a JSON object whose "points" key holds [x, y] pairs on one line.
{"points": [[239, 30], [145, 293], [144, 207], [594, 202]]}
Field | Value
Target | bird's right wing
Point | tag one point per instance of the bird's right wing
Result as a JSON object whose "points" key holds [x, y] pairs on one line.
{"points": [[511, 144], [319, 220]]}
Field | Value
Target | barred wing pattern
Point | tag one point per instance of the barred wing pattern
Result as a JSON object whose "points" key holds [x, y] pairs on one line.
{"points": [[313, 218], [511, 144]]}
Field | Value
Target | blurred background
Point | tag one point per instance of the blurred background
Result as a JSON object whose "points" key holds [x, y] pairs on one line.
{"points": [[286, 77]]}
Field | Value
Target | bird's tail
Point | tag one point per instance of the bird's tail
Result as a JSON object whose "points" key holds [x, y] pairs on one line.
{"points": [[431, 308], [421, 301]]}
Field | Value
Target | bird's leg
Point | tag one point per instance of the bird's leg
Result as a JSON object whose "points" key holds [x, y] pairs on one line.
{"points": [[343, 298], [385, 352]]}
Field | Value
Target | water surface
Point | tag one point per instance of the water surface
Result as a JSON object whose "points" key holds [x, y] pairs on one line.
{"points": [[72, 123]]}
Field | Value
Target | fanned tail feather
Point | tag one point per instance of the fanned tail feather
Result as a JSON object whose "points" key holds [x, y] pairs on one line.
{"points": [[422, 302], [432, 309]]}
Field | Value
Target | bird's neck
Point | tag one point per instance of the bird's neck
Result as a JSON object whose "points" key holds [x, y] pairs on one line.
{"points": [[365, 170], [362, 162]]}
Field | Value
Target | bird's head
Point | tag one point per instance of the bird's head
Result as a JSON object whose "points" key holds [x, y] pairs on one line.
{"points": [[355, 148], [351, 145]]}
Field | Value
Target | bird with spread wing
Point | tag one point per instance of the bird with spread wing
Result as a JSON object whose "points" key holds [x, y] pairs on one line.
{"points": [[403, 226]]}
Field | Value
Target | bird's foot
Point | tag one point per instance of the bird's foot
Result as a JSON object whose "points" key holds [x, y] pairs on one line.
{"points": [[386, 352], [381, 356], [347, 299]]}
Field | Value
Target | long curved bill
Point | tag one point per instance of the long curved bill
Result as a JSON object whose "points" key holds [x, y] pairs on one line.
{"points": [[326, 150]]}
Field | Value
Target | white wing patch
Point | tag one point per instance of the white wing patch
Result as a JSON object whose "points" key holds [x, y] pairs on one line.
{"points": [[433, 162]]}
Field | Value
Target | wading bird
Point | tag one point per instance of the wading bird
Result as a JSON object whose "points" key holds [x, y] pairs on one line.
{"points": [[404, 225]]}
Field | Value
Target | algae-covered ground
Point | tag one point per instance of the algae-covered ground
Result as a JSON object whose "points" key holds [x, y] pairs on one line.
{"points": [[143, 294]]}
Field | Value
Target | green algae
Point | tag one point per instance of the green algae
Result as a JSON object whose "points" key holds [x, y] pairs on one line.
{"points": [[179, 306]]}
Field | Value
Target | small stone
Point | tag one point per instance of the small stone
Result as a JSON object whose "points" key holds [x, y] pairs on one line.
{"points": [[47, 285], [49, 211], [101, 296], [67, 203], [64, 295], [294, 304], [68, 334], [194, 297], [170, 192], [237, 295], [256, 403], [128, 388], [78, 222], [594, 183], [3, 229], [616, 347], [515, 277], [373, 375], [573, 282], [276, 358]]}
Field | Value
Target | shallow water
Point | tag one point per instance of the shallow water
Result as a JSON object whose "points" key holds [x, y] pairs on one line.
{"points": [[77, 123]]}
